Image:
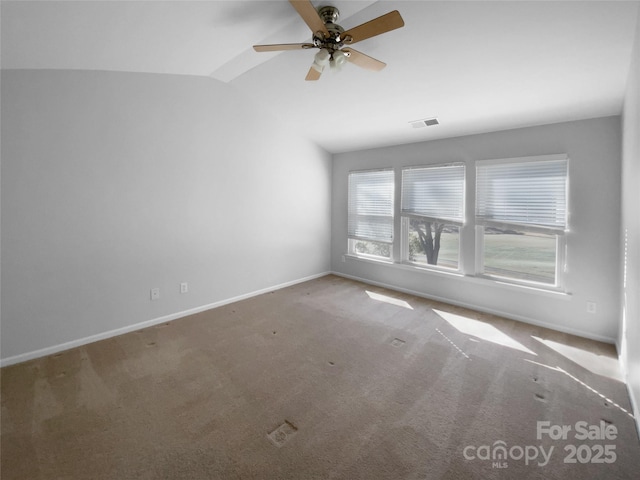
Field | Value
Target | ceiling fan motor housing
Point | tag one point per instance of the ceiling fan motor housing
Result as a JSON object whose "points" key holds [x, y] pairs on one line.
{"points": [[329, 14], [334, 41]]}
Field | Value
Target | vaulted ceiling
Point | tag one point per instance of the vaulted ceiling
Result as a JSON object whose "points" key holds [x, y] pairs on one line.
{"points": [[477, 66]]}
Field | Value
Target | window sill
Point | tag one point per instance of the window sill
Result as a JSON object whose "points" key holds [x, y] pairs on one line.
{"points": [[551, 292], [382, 261], [437, 271]]}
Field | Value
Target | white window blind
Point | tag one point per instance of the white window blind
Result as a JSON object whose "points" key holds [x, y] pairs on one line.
{"points": [[370, 209], [434, 192], [528, 193]]}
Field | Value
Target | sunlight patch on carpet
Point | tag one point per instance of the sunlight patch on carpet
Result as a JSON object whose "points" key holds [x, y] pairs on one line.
{"points": [[598, 364], [482, 330], [387, 299]]}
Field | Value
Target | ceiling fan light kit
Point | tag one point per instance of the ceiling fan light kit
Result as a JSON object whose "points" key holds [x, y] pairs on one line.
{"points": [[335, 60], [339, 58], [330, 38]]}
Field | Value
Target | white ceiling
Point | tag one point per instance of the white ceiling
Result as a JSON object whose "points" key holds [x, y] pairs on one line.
{"points": [[478, 65]]}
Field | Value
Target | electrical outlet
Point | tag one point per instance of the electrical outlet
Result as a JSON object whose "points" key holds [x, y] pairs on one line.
{"points": [[591, 307], [184, 287], [155, 293], [344, 258]]}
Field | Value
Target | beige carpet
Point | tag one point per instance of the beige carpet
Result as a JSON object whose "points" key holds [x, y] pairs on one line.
{"points": [[329, 379]]}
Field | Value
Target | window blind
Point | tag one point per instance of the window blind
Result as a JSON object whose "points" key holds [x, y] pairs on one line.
{"points": [[370, 209], [529, 193], [434, 192]]}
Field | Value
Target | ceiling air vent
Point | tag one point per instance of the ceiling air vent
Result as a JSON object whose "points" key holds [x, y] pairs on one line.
{"points": [[425, 122]]}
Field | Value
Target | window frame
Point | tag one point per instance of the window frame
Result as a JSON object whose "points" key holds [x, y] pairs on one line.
{"points": [[471, 234], [560, 261], [406, 217], [352, 239], [560, 233]]}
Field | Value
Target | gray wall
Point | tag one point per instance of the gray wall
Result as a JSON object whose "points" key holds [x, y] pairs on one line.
{"points": [[630, 319], [593, 242], [114, 183]]}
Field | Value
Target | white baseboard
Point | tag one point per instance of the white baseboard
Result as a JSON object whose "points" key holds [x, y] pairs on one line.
{"points": [[635, 406], [520, 318], [23, 357]]}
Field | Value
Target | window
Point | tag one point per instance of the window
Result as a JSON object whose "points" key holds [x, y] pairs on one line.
{"points": [[521, 218], [432, 214], [370, 213]]}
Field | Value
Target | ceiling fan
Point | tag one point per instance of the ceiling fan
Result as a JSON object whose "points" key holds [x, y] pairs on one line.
{"points": [[330, 38]]}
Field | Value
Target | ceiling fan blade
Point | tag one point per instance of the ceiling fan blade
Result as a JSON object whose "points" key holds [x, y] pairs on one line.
{"points": [[282, 46], [383, 24], [313, 74], [310, 15], [364, 61]]}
